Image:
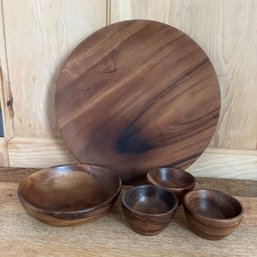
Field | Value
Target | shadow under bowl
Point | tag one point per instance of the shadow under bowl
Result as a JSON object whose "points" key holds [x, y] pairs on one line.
{"points": [[172, 179], [148, 208], [212, 214], [69, 195]]}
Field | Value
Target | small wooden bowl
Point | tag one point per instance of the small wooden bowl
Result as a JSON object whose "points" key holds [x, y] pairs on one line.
{"points": [[69, 195], [172, 179], [212, 214], [148, 208]]}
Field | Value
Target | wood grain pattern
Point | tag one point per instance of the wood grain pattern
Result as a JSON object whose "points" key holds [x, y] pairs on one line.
{"points": [[39, 36], [5, 91], [236, 187], [4, 158], [218, 163], [14, 175], [212, 214], [69, 195], [226, 163], [226, 31], [140, 9], [38, 152], [113, 109], [148, 208], [110, 236], [175, 180]]}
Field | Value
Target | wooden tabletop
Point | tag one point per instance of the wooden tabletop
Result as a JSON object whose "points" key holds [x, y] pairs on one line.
{"points": [[22, 235]]}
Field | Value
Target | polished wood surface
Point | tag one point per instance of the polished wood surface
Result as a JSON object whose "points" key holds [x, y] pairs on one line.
{"points": [[224, 29], [69, 195], [136, 95], [176, 180], [212, 214], [148, 209], [109, 236]]}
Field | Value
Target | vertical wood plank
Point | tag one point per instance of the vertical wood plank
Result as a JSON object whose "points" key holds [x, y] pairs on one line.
{"points": [[4, 95], [39, 37], [140, 9], [5, 92], [4, 159]]}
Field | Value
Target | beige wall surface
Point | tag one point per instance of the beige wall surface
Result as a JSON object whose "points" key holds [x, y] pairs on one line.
{"points": [[37, 36]]}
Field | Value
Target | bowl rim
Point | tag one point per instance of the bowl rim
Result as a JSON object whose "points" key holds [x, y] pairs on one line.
{"points": [[224, 220], [177, 189], [82, 211], [124, 203]]}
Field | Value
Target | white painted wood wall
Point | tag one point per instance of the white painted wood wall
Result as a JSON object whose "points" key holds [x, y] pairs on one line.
{"points": [[36, 36]]}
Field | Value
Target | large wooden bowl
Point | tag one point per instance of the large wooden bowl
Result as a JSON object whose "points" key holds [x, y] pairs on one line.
{"points": [[212, 214], [148, 208], [69, 195]]}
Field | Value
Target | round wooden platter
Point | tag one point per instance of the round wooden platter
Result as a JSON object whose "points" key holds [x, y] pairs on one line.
{"points": [[135, 95]]}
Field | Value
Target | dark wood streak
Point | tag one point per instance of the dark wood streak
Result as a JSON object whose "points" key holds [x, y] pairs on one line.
{"points": [[137, 95], [149, 103], [104, 84], [128, 140]]}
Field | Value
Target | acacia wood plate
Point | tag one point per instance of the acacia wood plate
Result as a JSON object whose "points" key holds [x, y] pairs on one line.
{"points": [[136, 95]]}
